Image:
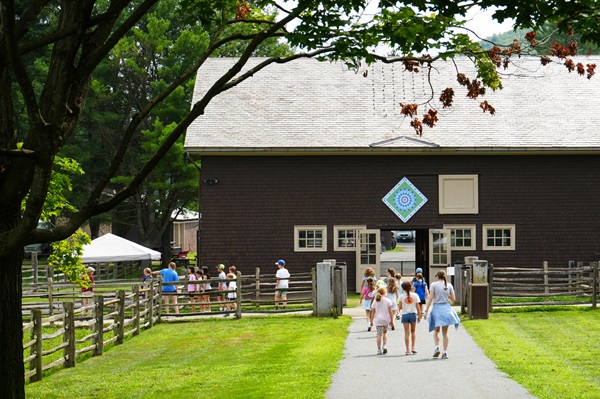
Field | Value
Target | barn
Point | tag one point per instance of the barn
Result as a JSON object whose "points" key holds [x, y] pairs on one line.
{"points": [[313, 160]]}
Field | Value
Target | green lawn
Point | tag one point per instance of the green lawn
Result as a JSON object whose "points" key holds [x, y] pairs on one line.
{"points": [[268, 357], [553, 353]]}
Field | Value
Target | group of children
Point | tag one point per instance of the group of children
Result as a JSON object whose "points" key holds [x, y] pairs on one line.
{"points": [[201, 293], [392, 299]]}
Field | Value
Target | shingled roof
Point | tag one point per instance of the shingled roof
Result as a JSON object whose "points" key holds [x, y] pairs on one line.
{"points": [[311, 106]]}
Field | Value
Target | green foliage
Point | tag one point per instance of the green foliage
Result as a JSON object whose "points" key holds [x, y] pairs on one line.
{"points": [[66, 258], [552, 354]]}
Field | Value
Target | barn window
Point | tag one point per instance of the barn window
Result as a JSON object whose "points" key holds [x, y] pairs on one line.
{"points": [[346, 237], [462, 237], [310, 238], [458, 194], [496, 236]]}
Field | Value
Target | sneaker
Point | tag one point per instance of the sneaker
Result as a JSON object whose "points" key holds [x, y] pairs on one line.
{"points": [[226, 314], [393, 328], [436, 351], [369, 328], [413, 351], [384, 350], [397, 317], [444, 356], [379, 352], [407, 353]]}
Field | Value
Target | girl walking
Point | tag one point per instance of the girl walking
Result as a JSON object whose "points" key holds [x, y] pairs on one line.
{"points": [[411, 315], [366, 298], [382, 318], [192, 287], [392, 294], [442, 316], [420, 286]]}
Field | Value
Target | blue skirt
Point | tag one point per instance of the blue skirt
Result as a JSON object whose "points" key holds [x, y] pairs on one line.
{"points": [[442, 315]]}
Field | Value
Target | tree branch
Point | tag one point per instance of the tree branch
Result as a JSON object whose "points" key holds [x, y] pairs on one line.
{"points": [[29, 17], [18, 153]]}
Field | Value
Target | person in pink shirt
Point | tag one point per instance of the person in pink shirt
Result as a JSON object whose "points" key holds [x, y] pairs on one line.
{"points": [[383, 316]]}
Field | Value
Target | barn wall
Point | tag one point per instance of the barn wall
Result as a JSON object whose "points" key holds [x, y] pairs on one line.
{"points": [[248, 217]]}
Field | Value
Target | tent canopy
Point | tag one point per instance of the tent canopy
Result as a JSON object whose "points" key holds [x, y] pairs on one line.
{"points": [[112, 248]]}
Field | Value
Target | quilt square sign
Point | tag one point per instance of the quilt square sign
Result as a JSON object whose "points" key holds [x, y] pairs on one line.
{"points": [[404, 199]]}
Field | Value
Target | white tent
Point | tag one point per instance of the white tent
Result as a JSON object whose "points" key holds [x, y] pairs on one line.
{"points": [[112, 248]]}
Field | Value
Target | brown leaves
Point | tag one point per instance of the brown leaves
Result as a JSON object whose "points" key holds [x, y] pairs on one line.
{"points": [[562, 52], [486, 107], [447, 97], [474, 87], [591, 68], [429, 119], [530, 37], [242, 10]]}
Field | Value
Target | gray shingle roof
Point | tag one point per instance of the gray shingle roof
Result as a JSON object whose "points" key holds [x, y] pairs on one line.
{"points": [[307, 105]]}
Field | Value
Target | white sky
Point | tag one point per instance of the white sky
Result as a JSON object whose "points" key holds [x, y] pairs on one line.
{"points": [[482, 22]]}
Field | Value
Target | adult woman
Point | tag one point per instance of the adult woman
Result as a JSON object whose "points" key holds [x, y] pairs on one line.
{"points": [[442, 314]]}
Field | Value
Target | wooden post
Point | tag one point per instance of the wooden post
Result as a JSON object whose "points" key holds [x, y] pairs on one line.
{"points": [[595, 285], [120, 317], [338, 291], [490, 285], [150, 304], [69, 335], [257, 283], [159, 302], [34, 266], [98, 327], [50, 296], [136, 309], [571, 278], [238, 296], [546, 286], [36, 333], [313, 272]]}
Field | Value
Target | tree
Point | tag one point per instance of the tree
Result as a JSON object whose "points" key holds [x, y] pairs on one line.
{"points": [[44, 104]]}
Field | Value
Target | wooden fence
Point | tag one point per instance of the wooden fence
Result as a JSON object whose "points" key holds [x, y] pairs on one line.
{"points": [[575, 285], [53, 339], [54, 316]]}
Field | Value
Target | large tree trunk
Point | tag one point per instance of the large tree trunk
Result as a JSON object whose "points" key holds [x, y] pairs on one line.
{"points": [[12, 379]]}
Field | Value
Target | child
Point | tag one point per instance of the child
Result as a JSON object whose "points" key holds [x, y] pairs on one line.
{"points": [[281, 284], [200, 288], [398, 277], [383, 317], [207, 288], [222, 286], [369, 272], [411, 306], [389, 273], [420, 286], [392, 295], [191, 288], [366, 297], [232, 295]]}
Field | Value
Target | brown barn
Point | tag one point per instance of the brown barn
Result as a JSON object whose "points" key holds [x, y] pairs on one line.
{"points": [[300, 159]]}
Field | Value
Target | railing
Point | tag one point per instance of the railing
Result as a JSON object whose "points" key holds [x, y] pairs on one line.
{"points": [[121, 315], [575, 285]]}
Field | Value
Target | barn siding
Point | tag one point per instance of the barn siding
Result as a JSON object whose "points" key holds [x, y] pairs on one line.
{"points": [[248, 218]]}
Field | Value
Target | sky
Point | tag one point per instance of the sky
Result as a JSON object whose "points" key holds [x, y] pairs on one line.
{"points": [[482, 22]]}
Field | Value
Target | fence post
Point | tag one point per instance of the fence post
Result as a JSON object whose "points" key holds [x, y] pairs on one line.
{"points": [[546, 287], [338, 291], [36, 333], [257, 282], [136, 309], [69, 334], [490, 285], [159, 297], [50, 295], [595, 285], [313, 273], [120, 317], [34, 267], [98, 327], [150, 304], [238, 296]]}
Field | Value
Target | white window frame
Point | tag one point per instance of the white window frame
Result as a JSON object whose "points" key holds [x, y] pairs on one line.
{"points": [[336, 232], [446, 209], [513, 236], [298, 229], [471, 227]]}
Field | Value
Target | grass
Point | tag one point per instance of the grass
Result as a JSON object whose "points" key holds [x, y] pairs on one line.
{"points": [[553, 353], [268, 357]]}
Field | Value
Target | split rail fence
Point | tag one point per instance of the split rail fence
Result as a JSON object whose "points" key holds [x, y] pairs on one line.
{"points": [[575, 285], [59, 329]]}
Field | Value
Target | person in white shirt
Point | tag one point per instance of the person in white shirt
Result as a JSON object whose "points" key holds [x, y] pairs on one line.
{"points": [[442, 316], [282, 284], [383, 316], [410, 305]]}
